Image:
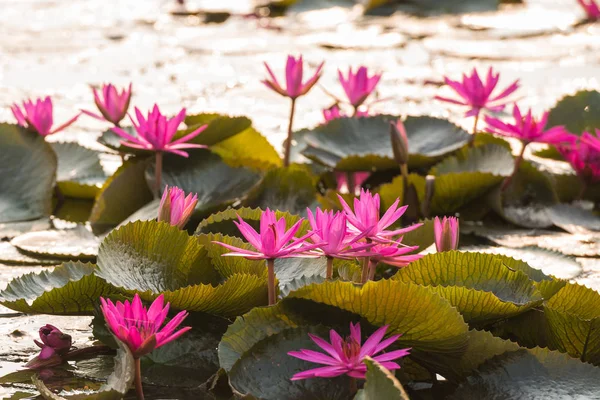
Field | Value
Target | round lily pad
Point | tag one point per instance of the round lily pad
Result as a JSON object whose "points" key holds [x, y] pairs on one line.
{"points": [[9, 254], [79, 173], [9, 230], [72, 244]]}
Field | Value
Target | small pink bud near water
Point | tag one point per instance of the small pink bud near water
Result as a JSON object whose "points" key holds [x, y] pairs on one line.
{"points": [[399, 142], [446, 231], [111, 104], [54, 344], [591, 8], [175, 207], [38, 116]]}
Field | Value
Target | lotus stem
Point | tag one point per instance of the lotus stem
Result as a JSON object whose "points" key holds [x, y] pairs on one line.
{"points": [[271, 281], [472, 140], [288, 142], [353, 387], [372, 269], [404, 171], [329, 274], [582, 192], [158, 173], [518, 161], [139, 391], [351, 183], [365, 268]]}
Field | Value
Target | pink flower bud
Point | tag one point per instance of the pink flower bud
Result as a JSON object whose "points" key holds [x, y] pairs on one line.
{"points": [[175, 207], [399, 142], [446, 233]]}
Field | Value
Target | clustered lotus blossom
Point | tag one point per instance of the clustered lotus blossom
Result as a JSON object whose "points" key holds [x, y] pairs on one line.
{"points": [[38, 116], [346, 356]]}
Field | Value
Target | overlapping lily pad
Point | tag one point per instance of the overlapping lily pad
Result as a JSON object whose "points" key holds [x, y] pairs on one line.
{"points": [[9, 254], [216, 183], [380, 384], [220, 127], [70, 289], [27, 175], [480, 286], [72, 244], [363, 144], [578, 113], [9, 230], [234, 151], [79, 173]]}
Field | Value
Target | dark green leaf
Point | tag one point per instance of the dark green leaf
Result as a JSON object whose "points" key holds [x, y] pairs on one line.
{"points": [[235, 151], [229, 266], [220, 127], [380, 384], [79, 173], [578, 113], [27, 174]]}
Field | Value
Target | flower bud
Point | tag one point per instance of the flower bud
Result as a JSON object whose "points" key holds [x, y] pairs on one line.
{"points": [[446, 233], [175, 207], [399, 142]]}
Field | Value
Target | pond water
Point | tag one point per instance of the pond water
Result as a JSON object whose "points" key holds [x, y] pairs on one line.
{"points": [[59, 48]]}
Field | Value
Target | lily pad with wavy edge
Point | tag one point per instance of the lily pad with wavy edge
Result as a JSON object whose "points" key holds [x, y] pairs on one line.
{"points": [[234, 151], [153, 256], [380, 384], [72, 244], [363, 144], [79, 173], [531, 374], [574, 219], [480, 286], [10, 255], [578, 113], [204, 173], [70, 289], [27, 175], [123, 193], [9, 230]]}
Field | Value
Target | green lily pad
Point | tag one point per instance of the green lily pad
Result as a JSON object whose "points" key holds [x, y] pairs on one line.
{"points": [[389, 192], [380, 384], [290, 189], [9, 254], [70, 289], [79, 173], [27, 175], [423, 236], [149, 212], [74, 210], [531, 374], [220, 127], [363, 144], [216, 183], [573, 219], [129, 255], [9, 230], [235, 151], [573, 316], [480, 286], [72, 244], [222, 222], [550, 152], [123, 193], [526, 199], [229, 266], [578, 113]]}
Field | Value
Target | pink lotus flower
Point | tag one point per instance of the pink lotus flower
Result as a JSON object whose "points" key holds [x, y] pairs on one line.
{"points": [[446, 233], [592, 140], [293, 76], [358, 86], [140, 328], [584, 157], [592, 9], [346, 357], [156, 133], [395, 254], [175, 208], [111, 104], [53, 342], [528, 129], [38, 116], [334, 112], [273, 241], [478, 96], [365, 217], [330, 233]]}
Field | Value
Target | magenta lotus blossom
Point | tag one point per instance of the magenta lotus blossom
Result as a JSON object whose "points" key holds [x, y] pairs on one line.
{"points": [[141, 328], [175, 207], [592, 140], [358, 86], [156, 132], [38, 116], [346, 356], [293, 78], [528, 129], [365, 217], [584, 157], [334, 112], [476, 95], [395, 254], [446, 233], [111, 104], [53, 342], [591, 8]]}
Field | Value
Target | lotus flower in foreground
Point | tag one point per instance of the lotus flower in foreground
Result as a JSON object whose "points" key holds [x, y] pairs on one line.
{"points": [[38, 116], [446, 233], [155, 133], [591, 8], [53, 342], [293, 78], [111, 104], [365, 217], [175, 207], [476, 95], [141, 328], [358, 86], [346, 356]]}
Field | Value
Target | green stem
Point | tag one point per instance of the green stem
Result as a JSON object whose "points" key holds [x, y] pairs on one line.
{"points": [[518, 161], [288, 142], [472, 139], [158, 173], [404, 171], [365, 268], [372, 269], [139, 391], [271, 282], [329, 273], [351, 183]]}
